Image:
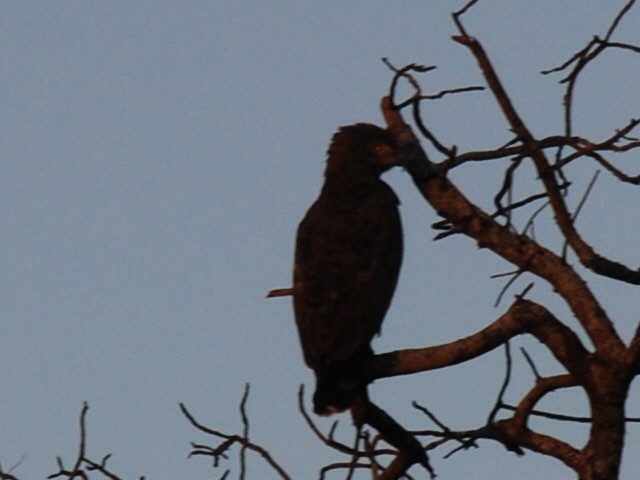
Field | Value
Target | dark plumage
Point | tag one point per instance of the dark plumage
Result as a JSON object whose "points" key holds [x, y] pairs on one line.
{"points": [[347, 260]]}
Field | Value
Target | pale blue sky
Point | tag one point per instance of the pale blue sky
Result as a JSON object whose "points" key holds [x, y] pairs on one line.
{"points": [[156, 158]]}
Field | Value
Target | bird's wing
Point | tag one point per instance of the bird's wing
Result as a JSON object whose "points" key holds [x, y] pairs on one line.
{"points": [[347, 262]]}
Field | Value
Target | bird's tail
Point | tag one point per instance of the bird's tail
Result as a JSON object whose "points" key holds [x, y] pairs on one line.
{"points": [[336, 393]]}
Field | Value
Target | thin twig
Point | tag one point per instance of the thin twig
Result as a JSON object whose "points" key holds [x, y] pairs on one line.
{"points": [[530, 362], [504, 289], [581, 203], [245, 432], [229, 440], [456, 16], [505, 383]]}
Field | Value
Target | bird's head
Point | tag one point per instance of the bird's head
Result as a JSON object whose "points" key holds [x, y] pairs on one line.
{"points": [[361, 149]]}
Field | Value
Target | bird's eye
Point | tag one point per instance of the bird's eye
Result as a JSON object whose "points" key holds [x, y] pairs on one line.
{"points": [[381, 148]]}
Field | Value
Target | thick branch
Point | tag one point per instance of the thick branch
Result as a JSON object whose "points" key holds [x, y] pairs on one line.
{"points": [[410, 451], [523, 316], [538, 442]]}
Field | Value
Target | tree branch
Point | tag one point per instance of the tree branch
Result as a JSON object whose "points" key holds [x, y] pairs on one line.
{"points": [[524, 316], [512, 431], [82, 463], [410, 451], [543, 386], [229, 440], [520, 250], [586, 254]]}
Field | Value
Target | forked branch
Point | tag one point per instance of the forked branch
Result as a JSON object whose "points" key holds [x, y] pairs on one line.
{"points": [[229, 440], [83, 466]]}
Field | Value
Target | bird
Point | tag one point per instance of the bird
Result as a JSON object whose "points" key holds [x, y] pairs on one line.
{"points": [[348, 253]]}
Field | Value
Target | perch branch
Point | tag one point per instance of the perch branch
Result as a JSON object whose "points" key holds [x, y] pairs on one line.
{"points": [[524, 316]]}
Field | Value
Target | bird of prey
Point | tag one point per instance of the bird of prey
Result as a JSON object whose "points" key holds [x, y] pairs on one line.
{"points": [[347, 259]]}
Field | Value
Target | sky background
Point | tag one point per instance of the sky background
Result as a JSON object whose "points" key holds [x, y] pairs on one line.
{"points": [[155, 160]]}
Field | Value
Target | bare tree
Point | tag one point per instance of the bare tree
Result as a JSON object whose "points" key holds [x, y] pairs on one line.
{"points": [[603, 370]]}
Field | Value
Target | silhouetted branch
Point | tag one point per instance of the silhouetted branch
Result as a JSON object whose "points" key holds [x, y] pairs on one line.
{"points": [[245, 430], [405, 72], [7, 475], [364, 412], [505, 384], [586, 55], [581, 203], [514, 276], [532, 365], [329, 439], [456, 15], [229, 440], [415, 99], [82, 464], [588, 257]]}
